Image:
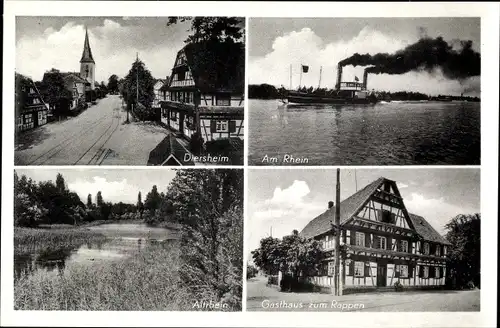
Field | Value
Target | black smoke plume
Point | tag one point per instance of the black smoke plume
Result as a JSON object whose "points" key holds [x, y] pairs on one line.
{"points": [[426, 54]]}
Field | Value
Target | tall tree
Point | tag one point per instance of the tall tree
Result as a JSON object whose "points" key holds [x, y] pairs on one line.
{"points": [[113, 83], [99, 200], [89, 201], [208, 204], [140, 205], [139, 91], [55, 93], [464, 254], [153, 199], [60, 182], [212, 28]]}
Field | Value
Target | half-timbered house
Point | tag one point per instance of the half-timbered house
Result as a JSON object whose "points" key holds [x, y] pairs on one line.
{"points": [[31, 110], [206, 91], [381, 243]]}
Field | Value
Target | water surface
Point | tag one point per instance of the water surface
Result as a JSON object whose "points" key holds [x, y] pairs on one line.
{"points": [[122, 240], [394, 133]]}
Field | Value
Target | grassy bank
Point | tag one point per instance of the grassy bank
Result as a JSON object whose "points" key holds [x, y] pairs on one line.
{"points": [[147, 281], [30, 241]]}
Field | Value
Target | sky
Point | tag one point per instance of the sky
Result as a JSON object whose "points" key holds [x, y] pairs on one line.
{"points": [[117, 185], [280, 201], [277, 43], [43, 43]]}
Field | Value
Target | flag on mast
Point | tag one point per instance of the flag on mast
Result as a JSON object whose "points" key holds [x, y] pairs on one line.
{"points": [[305, 68]]}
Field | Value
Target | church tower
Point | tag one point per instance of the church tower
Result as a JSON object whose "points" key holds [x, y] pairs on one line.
{"points": [[87, 63]]}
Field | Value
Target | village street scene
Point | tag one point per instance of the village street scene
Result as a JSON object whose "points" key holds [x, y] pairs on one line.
{"points": [[108, 91], [364, 240]]}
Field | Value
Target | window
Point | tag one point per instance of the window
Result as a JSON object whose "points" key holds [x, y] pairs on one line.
{"points": [[388, 217], [331, 268], [426, 248], [20, 120], [360, 239], [348, 268], [426, 272], [32, 91], [173, 116], [403, 271], [223, 100], [358, 269], [221, 126], [438, 250], [403, 246], [437, 272], [36, 101], [40, 116], [382, 242], [181, 76]]}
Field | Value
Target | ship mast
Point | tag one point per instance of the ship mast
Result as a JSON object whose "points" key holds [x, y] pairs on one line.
{"points": [[320, 70]]}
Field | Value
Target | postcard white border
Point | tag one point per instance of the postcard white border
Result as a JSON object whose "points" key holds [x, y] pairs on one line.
{"points": [[489, 13]]}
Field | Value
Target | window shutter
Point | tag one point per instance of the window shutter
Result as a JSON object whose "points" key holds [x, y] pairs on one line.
{"points": [[432, 272], [410, 270], [351, 268], [441, 272], [421, 271], [389, 243], [353, 238], [410, 246], [367, 240], [213, 126], [367, 269], [232, 126]]}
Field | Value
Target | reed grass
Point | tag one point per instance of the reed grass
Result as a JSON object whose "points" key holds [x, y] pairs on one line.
{"points": [[149, 281], [30, 241]]}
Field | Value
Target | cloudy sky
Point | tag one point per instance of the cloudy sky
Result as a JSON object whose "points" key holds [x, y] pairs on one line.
{"points": [[277, 43], [115, 185], [287, 199], [43, 43]]}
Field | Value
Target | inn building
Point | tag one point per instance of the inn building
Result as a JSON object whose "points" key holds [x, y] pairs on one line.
{"points": [[31, 110], [381, 243], [206, 92]]}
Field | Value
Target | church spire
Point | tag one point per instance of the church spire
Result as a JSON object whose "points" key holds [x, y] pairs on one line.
{"points": [[87, 53]]}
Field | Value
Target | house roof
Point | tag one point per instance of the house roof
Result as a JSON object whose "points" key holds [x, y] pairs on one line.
{"points": [[168, 151], [349, 206], [74, 77], [217, 65], [426, 230], [322, 223]]}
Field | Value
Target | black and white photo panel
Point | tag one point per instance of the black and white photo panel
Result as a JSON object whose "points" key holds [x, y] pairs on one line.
{"points": [[163, 91], [364, 91], [128, 240], [369, 240]]}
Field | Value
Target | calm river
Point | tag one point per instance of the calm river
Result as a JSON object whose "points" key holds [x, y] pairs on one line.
{"points": [[394, 133], [122, 240]]}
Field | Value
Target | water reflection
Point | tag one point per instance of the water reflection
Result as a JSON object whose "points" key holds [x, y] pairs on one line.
{"points": [[57, 260]]}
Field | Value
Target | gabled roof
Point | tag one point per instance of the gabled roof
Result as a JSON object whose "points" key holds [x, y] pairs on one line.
{"points": [[217, 66], [425, 230], [74, 77], [168, 152], [87, 52], [348, 207]]}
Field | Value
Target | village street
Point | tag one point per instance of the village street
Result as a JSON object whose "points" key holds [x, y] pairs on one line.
{"points": [[263, 298], [97, 136]]}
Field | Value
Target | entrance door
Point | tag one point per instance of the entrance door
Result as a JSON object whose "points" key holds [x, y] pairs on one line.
{"points": [[381, 275]]}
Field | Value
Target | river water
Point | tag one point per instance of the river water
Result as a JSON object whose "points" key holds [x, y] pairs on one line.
{"points": [[122, 240], [393, 133]]}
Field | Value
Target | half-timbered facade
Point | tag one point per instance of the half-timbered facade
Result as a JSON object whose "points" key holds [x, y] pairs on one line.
{"points": [[381, 243], [206, 91], [31, 110]]}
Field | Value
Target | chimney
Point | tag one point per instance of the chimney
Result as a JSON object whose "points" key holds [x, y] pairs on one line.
{"points": [[339, 76], [330, 204], [365, 79]]}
